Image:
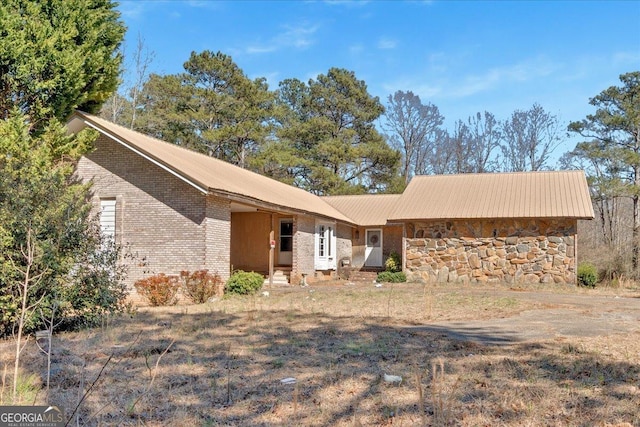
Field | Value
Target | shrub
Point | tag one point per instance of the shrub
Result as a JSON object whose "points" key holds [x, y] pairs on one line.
{"points": [[244, 283], [391, 277], [394, 262], [201, 285], [587, 275], [159, 289]]}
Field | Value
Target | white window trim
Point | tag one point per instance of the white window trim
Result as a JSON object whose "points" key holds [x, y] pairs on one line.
{"points": [[108, 221]]}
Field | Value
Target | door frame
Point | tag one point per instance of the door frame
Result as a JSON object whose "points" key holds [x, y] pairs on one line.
{"points": [[285, 258], [325, 246], [368, 250]]}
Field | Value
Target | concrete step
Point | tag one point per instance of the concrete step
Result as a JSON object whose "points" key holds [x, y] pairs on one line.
{"points": [[279, 279]]}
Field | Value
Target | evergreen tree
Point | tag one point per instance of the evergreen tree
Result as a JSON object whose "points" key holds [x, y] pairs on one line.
{"points": [[612, 145], [330, 128], [57, 56], [213, 108]]}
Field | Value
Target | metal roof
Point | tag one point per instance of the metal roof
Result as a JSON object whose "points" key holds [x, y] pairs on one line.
{"points": [[466, 196], [366, 209], [548, 194], [209, 174]]}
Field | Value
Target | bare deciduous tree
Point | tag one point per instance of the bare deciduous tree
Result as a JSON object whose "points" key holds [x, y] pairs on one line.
{"points": [[122, 107], [485, 140], [529, 138], [29, 280], [411, 127], [142, 59]]}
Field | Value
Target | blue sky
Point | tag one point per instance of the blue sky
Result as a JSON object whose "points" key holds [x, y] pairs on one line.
{"points": [[463, 56]]}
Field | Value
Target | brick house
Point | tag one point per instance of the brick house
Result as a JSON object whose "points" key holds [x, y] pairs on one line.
{"points": [[176, 209]]}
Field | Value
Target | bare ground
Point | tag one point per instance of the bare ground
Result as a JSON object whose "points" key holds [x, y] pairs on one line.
{"points": [[467, 356]]}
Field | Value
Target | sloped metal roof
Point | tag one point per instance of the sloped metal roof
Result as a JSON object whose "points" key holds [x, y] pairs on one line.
{"points": [[549, 194], [466, 196], [210, 174], [367, 209]]}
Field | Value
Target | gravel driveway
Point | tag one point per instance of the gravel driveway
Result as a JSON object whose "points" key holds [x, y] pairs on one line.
{"points": [[569, 315]]}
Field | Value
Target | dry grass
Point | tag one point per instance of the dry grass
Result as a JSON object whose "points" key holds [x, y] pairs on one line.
{"points": [[221, 364]]}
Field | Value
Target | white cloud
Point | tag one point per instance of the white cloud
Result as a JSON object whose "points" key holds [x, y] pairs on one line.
{"points": [[131, 9], [258, 49], [521, 72], [204, 4], [439, 84], [424, 90], [299, 37], [355, 49], [624, 58], [347, 3], [385, 43]]}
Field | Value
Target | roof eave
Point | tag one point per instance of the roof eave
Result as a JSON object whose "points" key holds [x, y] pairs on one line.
{"points": [[274, 207], [153, 159], [478, 218]]}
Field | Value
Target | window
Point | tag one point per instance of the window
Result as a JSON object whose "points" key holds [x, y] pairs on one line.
{"points": [[322, 241], [108, 219], [286, 235]]}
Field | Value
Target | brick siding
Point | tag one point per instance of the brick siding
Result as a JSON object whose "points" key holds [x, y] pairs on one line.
{"points": [[166, 224]]}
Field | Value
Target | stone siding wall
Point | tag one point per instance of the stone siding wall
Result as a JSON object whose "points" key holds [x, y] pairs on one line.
{"points": [[344, 244], [520, 251]]}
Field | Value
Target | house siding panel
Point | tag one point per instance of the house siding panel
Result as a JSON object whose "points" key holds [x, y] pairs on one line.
{"points": [[250, 241]]}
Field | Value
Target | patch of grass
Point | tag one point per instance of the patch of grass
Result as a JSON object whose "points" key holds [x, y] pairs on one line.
{"points": [[229, 357], [29, 386]]}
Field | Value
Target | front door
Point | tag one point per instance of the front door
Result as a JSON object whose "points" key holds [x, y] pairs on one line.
{"points": [[325, 246], [373, 248]]}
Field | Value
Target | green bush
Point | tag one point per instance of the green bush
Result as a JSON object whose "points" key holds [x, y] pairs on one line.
{"points": [[587, 275], [391, 277], [201, 285], [244, 283], [159, 289], [394, 262]]}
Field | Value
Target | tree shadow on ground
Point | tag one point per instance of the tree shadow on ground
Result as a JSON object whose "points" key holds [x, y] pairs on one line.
{"points": [[226, 369]]}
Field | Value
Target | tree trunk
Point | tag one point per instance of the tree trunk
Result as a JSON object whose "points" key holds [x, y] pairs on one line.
{"points": [[635, 252]]}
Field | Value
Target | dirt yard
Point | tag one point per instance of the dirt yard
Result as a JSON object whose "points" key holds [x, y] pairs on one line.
{"points": [[353, 355]]}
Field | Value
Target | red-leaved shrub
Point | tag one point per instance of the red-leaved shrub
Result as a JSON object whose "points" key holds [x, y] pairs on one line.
{"points": [[201, 285], [159, 289]]}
